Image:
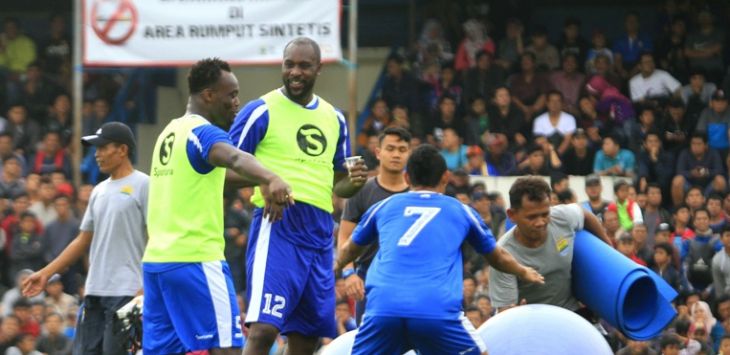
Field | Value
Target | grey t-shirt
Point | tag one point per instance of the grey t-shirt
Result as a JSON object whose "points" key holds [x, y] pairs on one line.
{"points": [[117, 215], [553, 260]]}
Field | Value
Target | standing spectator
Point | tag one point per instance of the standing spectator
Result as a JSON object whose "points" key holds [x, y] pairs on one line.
{"points": [[578, 159], [628, 48], [663, 266], [611, 225], [715, 121], [58, 234], [528, 87], [453, 151], [670, 50], [507, 118], [25, 132], [572, 43], [555, 124], [475, 40], [654, 214], [653, 163], [28, 245], [643, 249], [700, 251], [721, 266], [698, 92], [699, 165], [547, 57], [627, 209], [512, 46], [51, 157], [614, 161], [484, 79], [44, 208], [569, 82], [54, 342], [650, 83], [17, 51], [493, 216], [704, 47], [595, 204]]}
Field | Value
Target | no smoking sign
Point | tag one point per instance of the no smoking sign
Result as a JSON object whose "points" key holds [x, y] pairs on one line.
{"points": [[114, 21]]}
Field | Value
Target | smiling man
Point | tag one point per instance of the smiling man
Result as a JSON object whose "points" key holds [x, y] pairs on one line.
{"points": [[302, 137]]}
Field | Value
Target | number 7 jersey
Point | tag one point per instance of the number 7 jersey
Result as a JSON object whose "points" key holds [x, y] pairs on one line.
{"points": [[418, 270]]}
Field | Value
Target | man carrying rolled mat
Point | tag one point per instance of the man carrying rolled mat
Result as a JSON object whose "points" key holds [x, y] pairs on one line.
{"points": [[543, 238]]}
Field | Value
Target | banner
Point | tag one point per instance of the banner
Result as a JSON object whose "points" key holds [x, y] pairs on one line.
{"points": [[181, 32]]}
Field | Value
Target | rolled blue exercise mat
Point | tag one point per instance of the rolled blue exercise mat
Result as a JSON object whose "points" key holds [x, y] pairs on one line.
{"points": [[630, 297]]}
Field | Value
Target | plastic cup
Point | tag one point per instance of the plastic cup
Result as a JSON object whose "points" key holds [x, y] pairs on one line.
{"points": [[351, 161]]}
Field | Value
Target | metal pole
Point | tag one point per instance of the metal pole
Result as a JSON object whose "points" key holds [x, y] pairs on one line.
{"points": [[77, 93], [352, 73]]}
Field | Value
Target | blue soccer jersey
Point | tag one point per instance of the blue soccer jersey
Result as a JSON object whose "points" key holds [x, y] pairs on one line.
{"points": [[417, 273]]}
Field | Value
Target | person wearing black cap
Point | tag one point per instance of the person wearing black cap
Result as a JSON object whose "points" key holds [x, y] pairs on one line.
{"points": [[595, 204], [715, 121], [113, 231]]}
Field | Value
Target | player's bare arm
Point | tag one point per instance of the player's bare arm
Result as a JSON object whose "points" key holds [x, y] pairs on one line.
{"points": [[349, 183], [349, 252], [36, 282], [277, 193], [503, 261]]}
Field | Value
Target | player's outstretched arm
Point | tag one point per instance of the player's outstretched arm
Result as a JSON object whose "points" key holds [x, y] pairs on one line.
{"points": [[36, 282], [348, 184], [277, 193], [593, 225], [503, 261], [347, 254]]}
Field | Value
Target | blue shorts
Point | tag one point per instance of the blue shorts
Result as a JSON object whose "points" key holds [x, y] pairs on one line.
{"points": [[396, 335], [290, 286], [189, 307]]}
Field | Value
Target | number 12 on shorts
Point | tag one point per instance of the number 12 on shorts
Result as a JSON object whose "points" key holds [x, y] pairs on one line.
{"points": [[274, 310], [425, 215]]}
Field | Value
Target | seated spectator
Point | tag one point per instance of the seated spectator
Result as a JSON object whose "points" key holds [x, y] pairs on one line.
{"points": [[399, 88], [555, 124], [528, 87], [694, 199], [54, 341], [58, 235], [663, 265], [651, 84], [12, 184], [484, 303], [25, 132], [536, 163], [682, 231], [704, 47], [715, 121], [721, 266], [627, 246], [559, 181], [627, 209], [654, 213], [613, 108], [60, 119], [505, 117], [642, 249], [12, 295], [474, 315], [611, 160], [345, 321], [28, 245], [477, 122], [475, 161], [28, 325], [44, 209], [718, 218], [7, 150], [628, 48], [17, 50], [24, 345], [37, 92], [376, 122], [593, 188], [702, 317], [500, 162], [475, 40], [452, 150], [9, 330], [578, 159], [445, 117], [612, 225], [51, 157], [55, 50], [677, 128], [482, 80], [60, 301], [636, 133], [571, 42], [547, 57], [670, 50], [98, 114], [433, 43], [569, 82], [447, 84], [493, 216], [598, 49], [698, 88], [605, 68], [699, 166], [697, 263], [512, 45], [653, 162]]}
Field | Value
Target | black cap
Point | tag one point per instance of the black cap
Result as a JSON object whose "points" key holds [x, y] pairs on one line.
{"points": [[115, 132], [719, 95], [593, 180]]}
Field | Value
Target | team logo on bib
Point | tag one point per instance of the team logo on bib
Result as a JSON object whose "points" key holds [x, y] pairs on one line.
{"points": [[166, 148], [311, 140]]}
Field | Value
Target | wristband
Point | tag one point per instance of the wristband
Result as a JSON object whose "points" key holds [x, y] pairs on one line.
{"points": [[348, 272]]}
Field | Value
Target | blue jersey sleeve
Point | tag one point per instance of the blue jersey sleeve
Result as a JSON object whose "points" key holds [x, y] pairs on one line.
{"points": [[366, 231], [480, 237], [250, 125], [201, 139], [343, 144]]}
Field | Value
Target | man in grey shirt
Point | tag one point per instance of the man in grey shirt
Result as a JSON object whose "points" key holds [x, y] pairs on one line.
{"points": [[721, 266], [543, 239], [113, 231]]}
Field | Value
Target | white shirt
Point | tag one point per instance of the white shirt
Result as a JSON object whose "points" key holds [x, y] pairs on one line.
{"points": [[543, 127], [659, 83]]}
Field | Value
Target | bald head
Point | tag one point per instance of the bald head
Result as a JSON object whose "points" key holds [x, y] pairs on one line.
{"points": [[304, 41]]}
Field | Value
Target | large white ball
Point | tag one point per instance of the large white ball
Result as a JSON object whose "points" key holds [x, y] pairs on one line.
{"points": [[541, 329], [342, 345]]}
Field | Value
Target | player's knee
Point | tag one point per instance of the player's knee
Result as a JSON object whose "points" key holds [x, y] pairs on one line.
{"points": [[261, 334]]}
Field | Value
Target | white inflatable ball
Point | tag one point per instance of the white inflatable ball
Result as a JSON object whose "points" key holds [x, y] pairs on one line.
{"points": [[342, 345]]}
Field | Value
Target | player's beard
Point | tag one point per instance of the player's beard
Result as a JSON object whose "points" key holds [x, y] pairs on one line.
{"points": [[307, 88]]}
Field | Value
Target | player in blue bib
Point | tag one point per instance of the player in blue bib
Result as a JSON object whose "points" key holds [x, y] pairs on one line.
{"points": [[414, 285]]}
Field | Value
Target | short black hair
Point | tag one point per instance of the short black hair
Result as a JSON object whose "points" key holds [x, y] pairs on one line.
{"points": [[306, 41], [27, 214], [565, 196], [206, 73], [402, 134], [669, 339], [472, 308], [715, 196], [725, 228], [554, 92], [653, 185], [6, 134], [534, 188], [699, 135], [668, 248], [695, 187], [701, 209], [425, 166], [557, 177]]}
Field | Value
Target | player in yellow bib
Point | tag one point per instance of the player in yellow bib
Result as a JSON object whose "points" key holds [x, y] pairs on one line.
{"points": [[300, 136], [190, 303]]}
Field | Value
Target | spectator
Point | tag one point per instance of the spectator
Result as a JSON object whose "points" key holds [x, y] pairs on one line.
{"points": [[54, 341], [433, 44], [715, 121], [627, 209], [559, 182], [12, 295], [636, 133], [721, 266], [613, 108], [569, 82], [598, 49], [476, 165], [492, 215], [627, 246], [642, 249], [555, 124], [375, 123], [535, 163], [704, 47], [572, 43], [447, 84], [236, 221], [483, 302], [28, 245], [475, 40], [611, 225], [547, 57], [484, 79], [37, 92], [399, 87], [99, 113], [663, 266], [512, 46], [695, 199], [51, 157], [700, 166], [627, 49], [500, 162], [698, 90], [474, 315], [595, 204], [58, 234], [12, 184], [477, 122], [25, 132], [702, 317], [445, 117], [650, 83], [614, 161], [345, 321], [677, 127], [529, 86], [17, 51], [28, 325], [697, 264], [44, 208], [60, 120], [718, 218], [507, 118], [24, 345], [635, 347], [452, 150], [670, 51], [60, 301], [653, 163], [654, 214], [682, 231], [578, 159], [9, 329], [55, 51], [724, 347]]}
